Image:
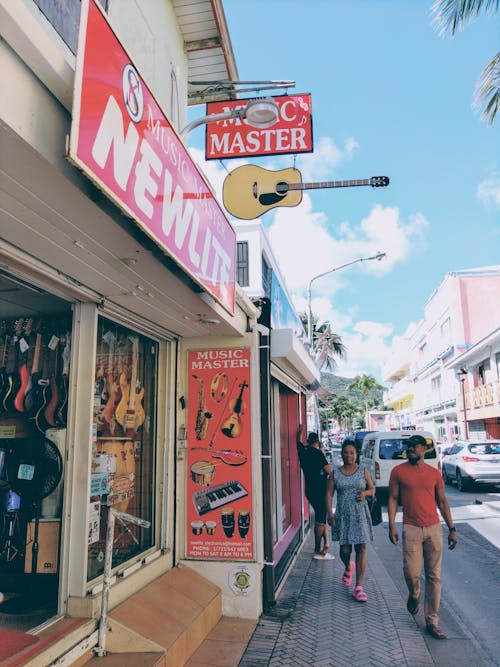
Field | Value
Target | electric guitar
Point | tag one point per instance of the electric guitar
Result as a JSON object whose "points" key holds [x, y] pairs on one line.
{"points": [[24, 375], [108, 413], [250, 191], [129, 412]]}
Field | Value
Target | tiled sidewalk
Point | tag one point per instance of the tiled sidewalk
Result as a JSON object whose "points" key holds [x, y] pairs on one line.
{"points": [[317, 623]]}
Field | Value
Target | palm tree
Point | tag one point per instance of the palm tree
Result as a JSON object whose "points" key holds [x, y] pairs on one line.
{"points": [[366, 384], [327, 346], [452, 15]]}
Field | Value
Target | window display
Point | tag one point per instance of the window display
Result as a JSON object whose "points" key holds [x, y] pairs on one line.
{"points": [[123, 444]]}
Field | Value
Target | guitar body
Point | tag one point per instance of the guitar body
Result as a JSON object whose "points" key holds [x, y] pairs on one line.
{"points": [[50, 409], [121, 408], [112, 392], [24, 378], [250, 191]]}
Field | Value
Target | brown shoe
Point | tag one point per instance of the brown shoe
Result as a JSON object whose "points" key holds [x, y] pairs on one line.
{"points": [[412, 604], [435, 631]]}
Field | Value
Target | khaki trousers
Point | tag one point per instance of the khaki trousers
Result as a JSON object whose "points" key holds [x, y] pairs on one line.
{"points": [[424, 544]]}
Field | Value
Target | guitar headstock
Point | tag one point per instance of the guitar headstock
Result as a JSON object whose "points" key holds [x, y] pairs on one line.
{"points": [[379, 181]]}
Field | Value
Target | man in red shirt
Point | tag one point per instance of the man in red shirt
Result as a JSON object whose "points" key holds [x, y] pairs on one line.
{"points": [[421, 489]]}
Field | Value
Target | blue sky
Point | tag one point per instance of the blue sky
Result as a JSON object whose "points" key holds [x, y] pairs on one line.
{"points": [[389, 97]]}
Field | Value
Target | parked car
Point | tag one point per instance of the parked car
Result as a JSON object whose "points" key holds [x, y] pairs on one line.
{"points": [[471, 461], [359, 436], [384, 450]]}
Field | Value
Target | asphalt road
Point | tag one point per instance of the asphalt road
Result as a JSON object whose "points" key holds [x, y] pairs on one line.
{"points": [[470, 577]]}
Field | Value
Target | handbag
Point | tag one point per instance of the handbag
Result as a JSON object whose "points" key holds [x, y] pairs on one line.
{"points": [[375, 510]]}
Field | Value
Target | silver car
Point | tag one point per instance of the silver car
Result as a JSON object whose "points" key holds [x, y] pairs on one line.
{"points": [[469, 461]]}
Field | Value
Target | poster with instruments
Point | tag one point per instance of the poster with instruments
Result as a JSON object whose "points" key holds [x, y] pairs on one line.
{"points": [[219, 462]]}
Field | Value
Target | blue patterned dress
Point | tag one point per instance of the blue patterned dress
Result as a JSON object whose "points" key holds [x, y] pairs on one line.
{"points": [[353, 524]]}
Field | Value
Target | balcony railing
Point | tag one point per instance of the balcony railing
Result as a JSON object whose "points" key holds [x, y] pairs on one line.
{"points": [[481, 397]]}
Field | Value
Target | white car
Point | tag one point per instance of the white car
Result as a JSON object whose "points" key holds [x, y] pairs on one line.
{"points": [[471, 461]]}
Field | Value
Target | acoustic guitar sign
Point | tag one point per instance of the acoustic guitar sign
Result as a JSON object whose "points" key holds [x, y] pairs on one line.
{"points": [[219, 462]]}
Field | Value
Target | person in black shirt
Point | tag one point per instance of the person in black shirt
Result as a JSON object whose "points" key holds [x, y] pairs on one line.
{"points": [[316, 471]]}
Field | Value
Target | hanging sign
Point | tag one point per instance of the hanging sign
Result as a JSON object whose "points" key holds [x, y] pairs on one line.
{"points": [[219, 483], [292, 132], [123, 142]]}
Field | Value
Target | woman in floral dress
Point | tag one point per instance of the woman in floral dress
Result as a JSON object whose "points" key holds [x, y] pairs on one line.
{"points": [[351, 524]]}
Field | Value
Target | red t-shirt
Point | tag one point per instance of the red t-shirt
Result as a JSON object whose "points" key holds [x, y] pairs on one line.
{"points": [[417, 487]]}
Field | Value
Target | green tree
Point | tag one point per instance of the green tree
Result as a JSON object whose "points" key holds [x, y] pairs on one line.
{"points": [[366, 384], [452, 15]]}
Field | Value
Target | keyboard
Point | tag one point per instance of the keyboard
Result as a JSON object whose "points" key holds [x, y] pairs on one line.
{"points": [[216, 496]]}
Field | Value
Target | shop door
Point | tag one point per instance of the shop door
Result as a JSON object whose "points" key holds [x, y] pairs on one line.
{"points": [[35, 339]]}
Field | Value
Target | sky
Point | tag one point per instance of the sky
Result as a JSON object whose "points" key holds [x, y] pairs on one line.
{"points": [[389, 97]]}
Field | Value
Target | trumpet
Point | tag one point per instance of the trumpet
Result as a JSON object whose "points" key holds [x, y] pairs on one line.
{"points": [[202, 415]]}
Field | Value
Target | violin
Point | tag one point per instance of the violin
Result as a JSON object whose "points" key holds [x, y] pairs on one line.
{"points": [[231, 428]]}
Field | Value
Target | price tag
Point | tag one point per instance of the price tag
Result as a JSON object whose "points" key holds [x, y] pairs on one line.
{"points": [[53, 343], [23, 345]]}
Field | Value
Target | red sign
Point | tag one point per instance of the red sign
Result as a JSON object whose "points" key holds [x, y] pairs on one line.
{"points": [[292, 132], [124, 143], [219, 484]]}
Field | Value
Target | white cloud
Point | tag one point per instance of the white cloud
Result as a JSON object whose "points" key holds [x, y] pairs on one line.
{"points": [[327, 155], [304, 247], [488, 192]]}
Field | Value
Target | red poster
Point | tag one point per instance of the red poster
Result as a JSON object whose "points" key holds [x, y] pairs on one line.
{"points": [[292, 132], [219, 480], [125, 144]]}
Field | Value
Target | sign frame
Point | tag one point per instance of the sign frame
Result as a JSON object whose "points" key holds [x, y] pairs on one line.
{"points": [[124, 143]]}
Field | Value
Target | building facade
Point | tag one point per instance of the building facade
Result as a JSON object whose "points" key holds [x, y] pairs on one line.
{"points": [[138, 377], [424, 389]]}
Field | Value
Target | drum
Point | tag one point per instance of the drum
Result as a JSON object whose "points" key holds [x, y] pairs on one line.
{"points": [[203, 472]]}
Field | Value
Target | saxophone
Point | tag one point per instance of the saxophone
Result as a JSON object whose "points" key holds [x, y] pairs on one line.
{"points": [[202, 415]]}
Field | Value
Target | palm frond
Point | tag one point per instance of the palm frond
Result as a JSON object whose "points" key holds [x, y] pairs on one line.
{"points": [[488, 90], [452, 15]]}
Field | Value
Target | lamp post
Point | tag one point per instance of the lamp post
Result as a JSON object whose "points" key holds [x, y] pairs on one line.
{"points": [[378, 256], [261, 112], [462, 374]]}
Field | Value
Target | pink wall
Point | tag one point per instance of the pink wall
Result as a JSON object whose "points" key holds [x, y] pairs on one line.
{"points": [[480, 298]]}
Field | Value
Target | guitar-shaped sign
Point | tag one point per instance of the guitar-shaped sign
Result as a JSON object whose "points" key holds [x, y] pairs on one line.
{"points": [[250, 191]]}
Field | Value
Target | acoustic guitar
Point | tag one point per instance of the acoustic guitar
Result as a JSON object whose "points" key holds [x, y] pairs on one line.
{"points": [[250, 191]]}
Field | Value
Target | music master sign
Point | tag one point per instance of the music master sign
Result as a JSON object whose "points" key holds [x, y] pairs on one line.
{"points": [[219, 470], [292, 132], [124, 143]]}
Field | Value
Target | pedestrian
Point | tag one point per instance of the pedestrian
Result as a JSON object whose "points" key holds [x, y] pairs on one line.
{"points": [[316, 471], [421, 489], [351, 523]]}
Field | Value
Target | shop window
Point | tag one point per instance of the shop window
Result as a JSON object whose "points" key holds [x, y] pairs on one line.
{"points": [[242, 266], [65, 18], [266, 278], [123, 449]]}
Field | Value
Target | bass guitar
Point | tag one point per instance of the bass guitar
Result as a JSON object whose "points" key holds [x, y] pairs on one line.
{"points": [[250, 191], [24, 376], [62, 406], [129, 412], [13, 380], [34, 395]]}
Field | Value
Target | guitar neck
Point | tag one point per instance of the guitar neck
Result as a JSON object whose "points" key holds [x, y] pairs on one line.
{"points": [[329, 184]]}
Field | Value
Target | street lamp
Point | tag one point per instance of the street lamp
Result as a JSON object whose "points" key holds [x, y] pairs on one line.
{"points": [[379, 256], [261, 112], [461, 375]]}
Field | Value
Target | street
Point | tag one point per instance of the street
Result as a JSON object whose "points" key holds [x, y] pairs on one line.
{"points": [[471, 586]]}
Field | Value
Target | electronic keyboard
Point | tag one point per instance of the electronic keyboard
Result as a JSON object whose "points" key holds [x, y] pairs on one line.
{"points": [[216, 496]]}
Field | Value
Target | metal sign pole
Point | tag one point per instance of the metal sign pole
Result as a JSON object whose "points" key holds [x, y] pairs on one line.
{"points": [[100, 650]]}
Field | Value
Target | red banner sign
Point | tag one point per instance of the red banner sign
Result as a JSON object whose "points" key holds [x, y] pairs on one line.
{"points": [[123, 142], [292, 132], [219, 484]]}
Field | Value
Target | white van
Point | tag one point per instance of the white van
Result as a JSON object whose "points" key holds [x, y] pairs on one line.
{"points": [[384, 450]]}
